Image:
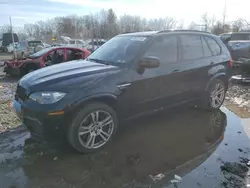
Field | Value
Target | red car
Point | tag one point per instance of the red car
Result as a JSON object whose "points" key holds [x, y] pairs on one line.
{"points": [[45, 57]]}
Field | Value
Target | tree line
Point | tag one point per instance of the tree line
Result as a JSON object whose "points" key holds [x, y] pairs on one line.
{"points": [[105, 24]]}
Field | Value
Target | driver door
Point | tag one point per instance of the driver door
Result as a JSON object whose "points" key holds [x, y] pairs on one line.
{"points": [[154, 88]]}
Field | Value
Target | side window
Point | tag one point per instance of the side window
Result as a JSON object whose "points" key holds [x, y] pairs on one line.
{"points": [[55, 57], [165, 48], [191, 47], [206, 50], [73, 54], [239, 36], [213, 45]]}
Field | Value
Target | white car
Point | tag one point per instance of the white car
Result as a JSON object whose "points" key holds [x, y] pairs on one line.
{"points": [[93, 45], [10, 47], [77, 43]]}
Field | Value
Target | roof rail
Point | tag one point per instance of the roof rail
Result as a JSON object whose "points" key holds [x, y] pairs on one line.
{"points": [[183, 30]]}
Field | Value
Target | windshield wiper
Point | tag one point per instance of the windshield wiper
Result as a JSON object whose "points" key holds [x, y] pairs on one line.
{"points": [[98, 61]]}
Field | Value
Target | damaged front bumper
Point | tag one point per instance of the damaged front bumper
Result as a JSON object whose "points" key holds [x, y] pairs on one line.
{"points": [[8, 69]]}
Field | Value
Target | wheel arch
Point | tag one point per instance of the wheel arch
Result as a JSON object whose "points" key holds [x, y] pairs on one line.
{"points": [[107, 98], [221, 76], [25, 66]]}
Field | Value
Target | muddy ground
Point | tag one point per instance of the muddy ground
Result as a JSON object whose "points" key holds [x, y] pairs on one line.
{"points": [[205, 149]]}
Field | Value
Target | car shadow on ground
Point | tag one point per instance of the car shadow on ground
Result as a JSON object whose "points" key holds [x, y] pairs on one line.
{"points": [[147, 146]]}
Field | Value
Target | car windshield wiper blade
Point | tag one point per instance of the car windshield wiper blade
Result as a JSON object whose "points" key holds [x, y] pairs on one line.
{"points": [[98, 61]]}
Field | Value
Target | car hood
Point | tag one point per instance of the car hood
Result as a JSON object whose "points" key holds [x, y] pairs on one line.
{"points": [[65, 75]]}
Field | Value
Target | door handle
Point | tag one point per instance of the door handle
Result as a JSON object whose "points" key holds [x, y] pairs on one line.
{"points": [[176, 70], [123, 86]]}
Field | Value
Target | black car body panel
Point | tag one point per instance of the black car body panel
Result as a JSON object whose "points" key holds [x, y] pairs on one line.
{"points": [[238, 44], [127, 88]]}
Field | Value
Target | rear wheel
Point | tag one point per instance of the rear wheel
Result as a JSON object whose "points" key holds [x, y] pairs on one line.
{"points": [[92, 127], [215, 95]]}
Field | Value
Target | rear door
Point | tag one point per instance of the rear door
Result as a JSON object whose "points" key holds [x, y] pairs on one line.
{"points": [[193, 65]]}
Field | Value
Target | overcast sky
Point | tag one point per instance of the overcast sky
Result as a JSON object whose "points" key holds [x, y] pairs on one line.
{"points": [[30, 11]]}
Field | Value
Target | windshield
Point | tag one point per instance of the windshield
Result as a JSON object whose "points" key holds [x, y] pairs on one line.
{"points": [[40, 53], [119, 50]]}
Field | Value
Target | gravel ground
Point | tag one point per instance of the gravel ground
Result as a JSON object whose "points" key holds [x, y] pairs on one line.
{"points": [[239, 94], [8, 118]]}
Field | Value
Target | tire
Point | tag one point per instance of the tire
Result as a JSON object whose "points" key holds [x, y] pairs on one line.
{"points": [[213, 100], [91, 131], [26, 70]]}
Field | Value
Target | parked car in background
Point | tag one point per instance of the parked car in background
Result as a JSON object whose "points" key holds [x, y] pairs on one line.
{"points": [[45, 57], [11, 47], [93, 45], [130, 75], [238, 44], [26, 48], [78, 43], [6, 40]]}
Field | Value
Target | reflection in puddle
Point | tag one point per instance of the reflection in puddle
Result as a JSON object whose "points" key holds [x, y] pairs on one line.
{"points": [[172, 142]]}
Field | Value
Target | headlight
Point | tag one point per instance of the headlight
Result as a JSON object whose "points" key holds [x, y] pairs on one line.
{"points": [[46, 97]]}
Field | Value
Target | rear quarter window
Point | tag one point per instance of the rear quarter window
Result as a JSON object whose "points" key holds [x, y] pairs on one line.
{"points": [[213, 46]]}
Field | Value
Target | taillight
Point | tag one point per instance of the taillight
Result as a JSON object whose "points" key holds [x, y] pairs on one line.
{"points": [[230, 64]]}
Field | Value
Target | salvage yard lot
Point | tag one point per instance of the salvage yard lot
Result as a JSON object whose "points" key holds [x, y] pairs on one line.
{"points": [[164, 143]]}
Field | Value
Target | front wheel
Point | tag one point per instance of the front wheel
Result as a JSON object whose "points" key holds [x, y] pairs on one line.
{"points": [[215, 95], [92, 127]]}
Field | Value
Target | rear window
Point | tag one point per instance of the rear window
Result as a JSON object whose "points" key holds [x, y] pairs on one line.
{"points": [[23, 44], [191, 47], [34, 43], [213, 46], [240, 36]]}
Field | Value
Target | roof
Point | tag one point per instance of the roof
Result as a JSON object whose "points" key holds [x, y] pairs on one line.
{"points": [[230, 33], [70, 47], [151, 33], [145, 33]]}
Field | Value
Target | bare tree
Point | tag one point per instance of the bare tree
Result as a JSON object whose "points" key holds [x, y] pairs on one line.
{"points": [[192, 25], [219, 28], [238, 25], [5, 29], [207, 21]]}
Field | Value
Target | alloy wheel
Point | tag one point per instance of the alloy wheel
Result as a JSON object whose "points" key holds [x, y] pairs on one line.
{"points": [[96, 129], [217, 95]]}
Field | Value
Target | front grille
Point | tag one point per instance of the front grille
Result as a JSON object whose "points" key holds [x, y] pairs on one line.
{"points": [[20, 93]]}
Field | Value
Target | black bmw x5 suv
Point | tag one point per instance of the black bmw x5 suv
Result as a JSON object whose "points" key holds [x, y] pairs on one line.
{"points": [[130, 75]]}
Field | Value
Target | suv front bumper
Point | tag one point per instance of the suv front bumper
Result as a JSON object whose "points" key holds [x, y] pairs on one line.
{"points": [[39, 123]]}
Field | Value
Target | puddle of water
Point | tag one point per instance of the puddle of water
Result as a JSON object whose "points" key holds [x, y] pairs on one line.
{"points": [[234, 146], [187, 142]]}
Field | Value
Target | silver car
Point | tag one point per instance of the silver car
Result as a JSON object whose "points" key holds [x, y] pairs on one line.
{"points": [[26, 48]]}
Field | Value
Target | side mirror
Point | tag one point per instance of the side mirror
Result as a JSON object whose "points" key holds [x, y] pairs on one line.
{"points": [[149, 62]]}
